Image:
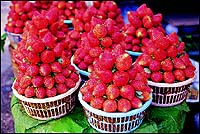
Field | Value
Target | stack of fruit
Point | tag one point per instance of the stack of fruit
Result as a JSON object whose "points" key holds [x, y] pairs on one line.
{"points": [[45, 75], [141, 22], [168, 65], [42, 5]]}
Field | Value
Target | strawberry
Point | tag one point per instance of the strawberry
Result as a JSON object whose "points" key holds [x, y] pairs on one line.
{"points": [[64, 61], [109, 24], [37, 81], [178, 63], [52, 15], [106, 60], [21, 91], [155, 34], [97, 102], [32, 70], [82, 65], [186, 60], [56, 67], [172, 51], [132, 73], [37, 46], [136, 103], [109, 105], [112, 92], [144, 60], [141, 10], [58, 49], [49, 82], [136, 49], [33, 58], [123, 105], [19, 23], [29, 92], [157, 18], [123, 62], [106, 42], [120, 78], [160, 54], [145, 96], [181, 47], [106, 76], [95, 52], [74, 76], [61, 88], [131, 30], [189, 71], [154, 65], [147, 21], [128, 38], [45, 69], [23, 66], [134, 20], [117, 50], [138, 85], [173, 38], [40, 93], [70, 83], [179, 75], [141, 32], [117, 37], [99, 89], [127, 92], [51, 92], [47, 56], [88, 59], [66, 72], [87, 97], [40, 21], [59, 78], [49, 40], [167, 65], [100, 31], [168, 77], [25, 81], [156, 76], [161, 43], [141, 77]]}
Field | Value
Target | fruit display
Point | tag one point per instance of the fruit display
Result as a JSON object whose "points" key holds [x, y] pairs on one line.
{"points": [[138, 30], [42, 5]]}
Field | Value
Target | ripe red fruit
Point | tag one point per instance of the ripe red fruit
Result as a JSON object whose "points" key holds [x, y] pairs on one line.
{"points": [[87, 97], [123, 62], [189, 71], [178, 63], [58, 49], [173, 38], [112, 92], [144, 59], [145, 96], [40, 21], [134, 20], [160, 54], [181, 47], [37, 46], [49, 82], [32, 70], [123, 105], [127, 92], [37, 81], [47, 56], [52, 15], [147, 21], [167, 65], [33, 58], [155, 34], [51, 92], [29, 92], [19, 23], [106, 60], [97, 102], [49, 40], [161, 43], [88, 59], [179, 75], [70, 83], [157, 18], [138, 85], [154, 65], [99, 89], [136, 103], [186, 60], [40, 93], [106, 42], [95, 52], [141, 32], [100, 31], [21, 90], [120, 78], [25, 81], [156, 76], [168, 77], [61, 88], [74, 76], [109, 105], [106, 76], [60, 78], [130, 30], [45, 69], [172, 51], [141, 77], [56, 67]]}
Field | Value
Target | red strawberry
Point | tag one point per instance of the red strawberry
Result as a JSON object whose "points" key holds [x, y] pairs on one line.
{"points": [[141, 77], [155, 34], [52, 15], [161, 43], [178, 63], [127, 92], [40, 21], [74, 76], [181, 47], [141, 32], [117, 50], [173, 38], [157, 18], [160, 54], [86, 89], [109, 24], [106, 60], [58, 49], [136, 49], [70, 83], [49, 82], [49, 40], [106, 76], [53, 28], [134, 20], [167, 65], [59, 78], [109, 105], [156, 76], [82, 65], [51, 92], [117, 37], [128, 38], [29, 92], [25, 81], [120, 78], [147, 21], [37, 81], [32, 70], [99, 89], [37, 46], [33, 58], [64, 61], [97, 102], [189, 71], [56, 67], [47, 56], [112, 92], [40, 93], [45, 69], [179, 75], [100, 31], [172, 51], [138, 85], [123, 62], [168, 77], [95, 52], [141, 10], [88, 59], [21, 91], [132, 73], [61, 88], [136, 103], [123, 105], [130, 30], [87, 97], [106, 42], [186, 60], [145, 96], [144, 60], [154, 65]]}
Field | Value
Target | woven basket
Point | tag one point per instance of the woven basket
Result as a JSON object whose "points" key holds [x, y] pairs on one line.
{"points": [[48, 108], [14, 38], [114, 122], [165, 95]]}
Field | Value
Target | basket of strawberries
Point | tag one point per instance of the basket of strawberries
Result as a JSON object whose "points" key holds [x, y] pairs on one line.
{"points": [[116, 95], [168, 67]]}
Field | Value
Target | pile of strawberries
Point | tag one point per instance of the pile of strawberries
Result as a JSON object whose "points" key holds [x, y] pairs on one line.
{"points": [[42, 5], [141, 22], [165, 60], [116, 85], [43, 58], [19, 13], [104, 36]]}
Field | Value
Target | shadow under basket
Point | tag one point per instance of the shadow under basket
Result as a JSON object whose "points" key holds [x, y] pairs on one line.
{"points": [[49, 108], [166, 95], [117, 122]]}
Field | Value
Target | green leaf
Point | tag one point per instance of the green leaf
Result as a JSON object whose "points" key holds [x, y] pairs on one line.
{"points": [[3, 38], [147, 127]]}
